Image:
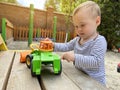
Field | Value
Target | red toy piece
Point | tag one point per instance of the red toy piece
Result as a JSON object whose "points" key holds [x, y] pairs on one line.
{"points": [[118, 68]]}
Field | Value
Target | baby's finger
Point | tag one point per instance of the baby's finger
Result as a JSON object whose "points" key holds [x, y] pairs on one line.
{"points": [[68, 60], [47, 39], [62, 58]]}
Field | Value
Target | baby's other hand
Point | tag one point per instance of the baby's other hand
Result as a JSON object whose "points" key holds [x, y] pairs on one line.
{"points": [[68, 56]]}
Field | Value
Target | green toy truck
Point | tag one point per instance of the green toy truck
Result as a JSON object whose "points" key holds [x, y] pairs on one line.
{"points": [[43, 55]]}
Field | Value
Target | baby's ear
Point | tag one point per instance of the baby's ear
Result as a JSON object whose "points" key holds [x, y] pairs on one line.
{"points": [[98, 20]]}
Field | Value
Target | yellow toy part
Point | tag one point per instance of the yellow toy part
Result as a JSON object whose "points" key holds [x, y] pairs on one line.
{"points": [[44, 46], [3, 46], [34, 47]]}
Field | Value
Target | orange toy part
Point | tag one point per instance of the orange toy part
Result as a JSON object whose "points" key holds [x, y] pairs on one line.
{"points": [[46, 46], [23, 56]]}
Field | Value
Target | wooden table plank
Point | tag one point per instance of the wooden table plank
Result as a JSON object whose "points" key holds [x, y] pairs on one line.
{"points": [[80, 79], [6, 58], [20, 78], [56, 82], [71, 79]]}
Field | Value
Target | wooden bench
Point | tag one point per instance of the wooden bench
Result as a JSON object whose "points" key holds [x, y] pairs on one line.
{"points": [[16, 76]]}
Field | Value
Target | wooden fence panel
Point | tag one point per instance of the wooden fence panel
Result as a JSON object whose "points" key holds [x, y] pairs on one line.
{"points": [[21, 33], [61, 36]]}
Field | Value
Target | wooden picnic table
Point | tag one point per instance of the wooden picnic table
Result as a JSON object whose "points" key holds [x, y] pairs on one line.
{"points": [[16, 76]]}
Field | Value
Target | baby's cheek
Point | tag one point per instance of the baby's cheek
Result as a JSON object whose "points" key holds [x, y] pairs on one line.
{"points": [[77, 32]]}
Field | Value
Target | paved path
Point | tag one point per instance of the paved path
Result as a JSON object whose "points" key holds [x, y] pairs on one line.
{"points": [[19, 45]]}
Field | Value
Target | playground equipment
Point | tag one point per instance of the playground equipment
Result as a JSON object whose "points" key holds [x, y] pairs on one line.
{"points": [[2, 44], [40, 55]]}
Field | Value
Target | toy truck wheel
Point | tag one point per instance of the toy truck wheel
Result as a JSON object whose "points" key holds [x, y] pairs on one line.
{"points": [[32, 73], [28, 60], [59, 72]]}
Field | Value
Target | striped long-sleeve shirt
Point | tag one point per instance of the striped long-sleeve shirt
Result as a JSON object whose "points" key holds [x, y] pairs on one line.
{"points": [[89, 57]]}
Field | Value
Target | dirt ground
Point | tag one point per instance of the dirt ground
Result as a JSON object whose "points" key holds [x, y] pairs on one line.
{"points": [[111, 61], [112, 76]]}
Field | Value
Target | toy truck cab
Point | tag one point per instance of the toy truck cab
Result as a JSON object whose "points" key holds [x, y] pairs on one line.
{"points": [[43, 55]]}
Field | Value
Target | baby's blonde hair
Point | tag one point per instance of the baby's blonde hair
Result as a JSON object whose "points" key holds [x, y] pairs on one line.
{"points": [[93, 8]]}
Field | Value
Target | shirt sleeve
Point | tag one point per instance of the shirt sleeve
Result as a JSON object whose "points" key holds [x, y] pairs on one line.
{"points": [[62, 47], [96, 57]]}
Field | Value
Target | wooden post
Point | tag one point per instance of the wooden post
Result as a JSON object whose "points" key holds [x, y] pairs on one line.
{"points": [[54, 28], [30, 37], [4, 29]]}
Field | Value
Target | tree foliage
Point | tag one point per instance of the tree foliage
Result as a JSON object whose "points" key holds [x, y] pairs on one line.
{"points": [[51, 3], [110, 26], [67, 6]]}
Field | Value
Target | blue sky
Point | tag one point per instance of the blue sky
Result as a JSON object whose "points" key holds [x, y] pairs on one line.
{"points": [[37, 3]]}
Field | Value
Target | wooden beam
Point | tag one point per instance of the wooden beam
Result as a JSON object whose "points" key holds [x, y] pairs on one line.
{"points": [[20, 78], [6, 58], [50, 81], [9, 24], [81, 79]]}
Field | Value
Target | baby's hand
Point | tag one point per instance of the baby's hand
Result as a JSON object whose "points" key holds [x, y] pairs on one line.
{"points": [[68, 56], [47, 39]]}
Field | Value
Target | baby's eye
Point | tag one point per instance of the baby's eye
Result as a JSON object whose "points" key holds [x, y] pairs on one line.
{"points": [[76, 27], [82, 25]]}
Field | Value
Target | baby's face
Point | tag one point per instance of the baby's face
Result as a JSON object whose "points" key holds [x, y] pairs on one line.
{"points": [[85, 24]]}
